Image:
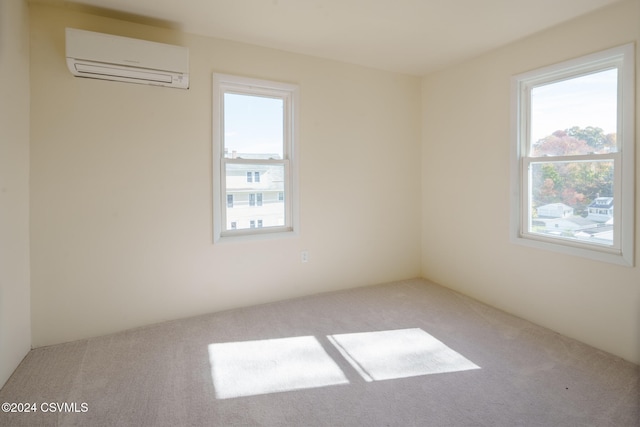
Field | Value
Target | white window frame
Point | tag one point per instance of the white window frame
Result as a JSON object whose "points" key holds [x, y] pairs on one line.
{"points": [[622, 252], [289, 93]]}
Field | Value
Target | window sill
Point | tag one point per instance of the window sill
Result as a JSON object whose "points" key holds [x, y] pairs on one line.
{"points": [[602, 254], [252, 235]]}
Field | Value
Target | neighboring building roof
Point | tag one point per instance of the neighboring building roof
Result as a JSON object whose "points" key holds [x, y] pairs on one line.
{"points": [[253, 156], [601, 234], [554, 210], [556, 206], [602, 202], [573, 223]]}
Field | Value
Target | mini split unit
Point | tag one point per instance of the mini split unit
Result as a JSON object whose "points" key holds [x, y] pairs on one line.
{"points": [[109, 57]]}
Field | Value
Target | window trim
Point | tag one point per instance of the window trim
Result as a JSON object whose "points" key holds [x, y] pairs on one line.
{"points": [[223, 83], [622, 58]]}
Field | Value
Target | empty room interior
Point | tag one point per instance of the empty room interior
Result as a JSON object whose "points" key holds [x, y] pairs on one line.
{"points": [[335, 213]]}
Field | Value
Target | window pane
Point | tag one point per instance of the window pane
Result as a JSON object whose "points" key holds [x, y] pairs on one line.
{"points": [[259, 202], [572, 200], [253, 127], [575, 116]]}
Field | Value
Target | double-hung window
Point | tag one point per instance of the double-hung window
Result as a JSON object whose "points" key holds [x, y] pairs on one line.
{"points": [[254, 157], [573, 157]]}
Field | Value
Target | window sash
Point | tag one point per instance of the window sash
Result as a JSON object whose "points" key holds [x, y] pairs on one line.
{"points": [[226, 232], [526, 199]]}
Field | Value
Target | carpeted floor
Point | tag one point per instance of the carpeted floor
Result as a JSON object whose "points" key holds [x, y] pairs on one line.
{"points": [[403, 354]]}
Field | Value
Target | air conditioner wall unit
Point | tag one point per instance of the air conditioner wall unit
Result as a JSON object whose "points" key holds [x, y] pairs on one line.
{"points": [[109, 57]]}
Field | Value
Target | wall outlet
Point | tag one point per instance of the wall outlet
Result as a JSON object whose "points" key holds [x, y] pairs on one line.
{"points": [[304, 256]]}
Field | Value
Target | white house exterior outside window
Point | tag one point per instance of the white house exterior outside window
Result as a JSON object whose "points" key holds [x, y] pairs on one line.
{"points": [[254, 158], [572, 168]]}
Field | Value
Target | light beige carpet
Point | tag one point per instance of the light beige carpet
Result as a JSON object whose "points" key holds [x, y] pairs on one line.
{"points": [[402, 354]]}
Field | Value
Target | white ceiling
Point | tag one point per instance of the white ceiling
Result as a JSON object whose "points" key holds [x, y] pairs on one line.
{"points": [[408, 36]]}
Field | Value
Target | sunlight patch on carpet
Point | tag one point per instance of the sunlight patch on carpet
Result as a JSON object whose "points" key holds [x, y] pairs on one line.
{"points": [[402, 353], [250, 368]]}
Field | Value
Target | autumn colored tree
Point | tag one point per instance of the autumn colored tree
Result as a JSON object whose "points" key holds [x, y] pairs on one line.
{"points": [[546, 182], [573, 198], [560, 143], [573, 183], [594, 137]]}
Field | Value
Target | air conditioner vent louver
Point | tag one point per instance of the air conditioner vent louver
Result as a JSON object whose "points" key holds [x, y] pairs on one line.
{"points": [[108, 57]]}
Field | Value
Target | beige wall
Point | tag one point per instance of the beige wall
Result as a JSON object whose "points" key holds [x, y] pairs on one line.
{"points": [[121, 186], [121, 189], [465, 178], [15, 323]]}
